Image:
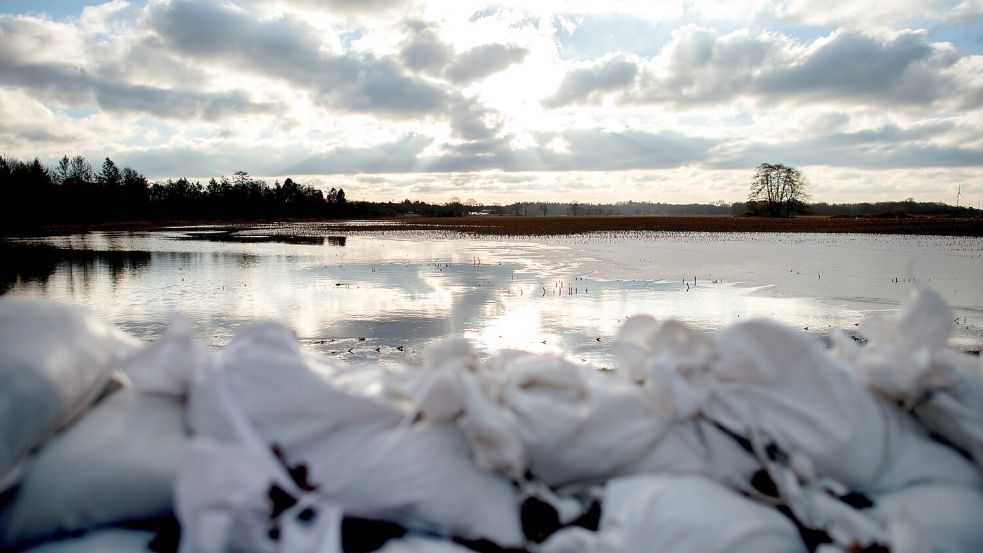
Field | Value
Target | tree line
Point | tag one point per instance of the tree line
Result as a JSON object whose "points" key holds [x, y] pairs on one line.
{"points": [[73, 192], [33, 195]]}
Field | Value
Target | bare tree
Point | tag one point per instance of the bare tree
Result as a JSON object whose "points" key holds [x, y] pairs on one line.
{"points": [[777, 190], [79, 170]]}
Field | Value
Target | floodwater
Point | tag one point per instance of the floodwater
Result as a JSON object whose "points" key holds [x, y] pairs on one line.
{"points": [[382, 298]]}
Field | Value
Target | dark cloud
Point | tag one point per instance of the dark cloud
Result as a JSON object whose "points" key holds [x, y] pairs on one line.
{"points": [[587, 150], [856, 67], [888, 147], [470, 120], [350, 6], [400, 156], [704, 68], [75, 86], [598, 150], [32, 137], [148, 60], [203, 160], [483, 61], [165, 161], [106, 84], [287, 49], [699, 67], [595, 150], [588, 84], [344, 7], [425, 51]]}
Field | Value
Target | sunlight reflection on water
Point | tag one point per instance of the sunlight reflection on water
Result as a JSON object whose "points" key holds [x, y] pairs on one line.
{"points": [[374, 298]]}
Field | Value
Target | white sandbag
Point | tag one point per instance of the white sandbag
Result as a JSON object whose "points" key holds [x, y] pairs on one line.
{"points": [[435, 390], [681, 514], [167, 366], [56, 359], [906, 361], [669, 359], [360, 453], [781, 385], [113, 540], [573, 540], [578, 426], [452, 386], [671, 362], [697, 447], [116, 464], [896, 359], [223, 502], [492, 432], [940, 519], [954, 407], [420, 544]]}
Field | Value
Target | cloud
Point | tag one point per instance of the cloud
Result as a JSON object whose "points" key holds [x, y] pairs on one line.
{"points": [[101, 18], [472, 121], [857, 15], [38, 40], [588, 150], [887, 147], [344, 9], [349, 6], [589, 84], [27, 126], [699, 67], [399, 156], [851, 66], [180, 161], [483, 61], [289, 50], [75, 86], [102, 83], [425, 51]]}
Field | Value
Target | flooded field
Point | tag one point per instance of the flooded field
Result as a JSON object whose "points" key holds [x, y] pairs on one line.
{"points": [[384, 296]]}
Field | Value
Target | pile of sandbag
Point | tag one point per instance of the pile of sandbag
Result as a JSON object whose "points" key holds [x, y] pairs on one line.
{"points": [[81, 447], [753, 438]]}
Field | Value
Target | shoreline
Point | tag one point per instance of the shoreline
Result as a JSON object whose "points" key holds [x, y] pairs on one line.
{"points": [[520, 225]]}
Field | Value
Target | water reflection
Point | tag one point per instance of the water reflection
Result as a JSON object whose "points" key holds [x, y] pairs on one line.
{"points": [[383, 300], [252, 236], [26, 265]]}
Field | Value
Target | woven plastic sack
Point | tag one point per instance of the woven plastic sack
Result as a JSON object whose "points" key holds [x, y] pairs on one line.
{"points": [[358, 452], [56, 359]]}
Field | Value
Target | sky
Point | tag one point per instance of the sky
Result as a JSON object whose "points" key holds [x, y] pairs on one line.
{"points": [[671, 101]]}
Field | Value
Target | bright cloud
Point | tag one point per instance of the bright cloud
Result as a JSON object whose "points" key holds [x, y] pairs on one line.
{"points": [[668, 101]]}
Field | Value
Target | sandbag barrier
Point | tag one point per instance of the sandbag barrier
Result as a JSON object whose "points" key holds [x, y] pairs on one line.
{"points": [[752, 438]]}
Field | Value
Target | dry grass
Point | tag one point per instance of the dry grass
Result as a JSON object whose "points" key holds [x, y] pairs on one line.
{"points": [[538, 226], [513, 225]]}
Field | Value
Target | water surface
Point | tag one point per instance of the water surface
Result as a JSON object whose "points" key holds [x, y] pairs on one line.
{"points": [[381, 298]]}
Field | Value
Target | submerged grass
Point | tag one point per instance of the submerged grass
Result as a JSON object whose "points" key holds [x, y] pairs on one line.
{"points": [[520, 225], [542, 226]]}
